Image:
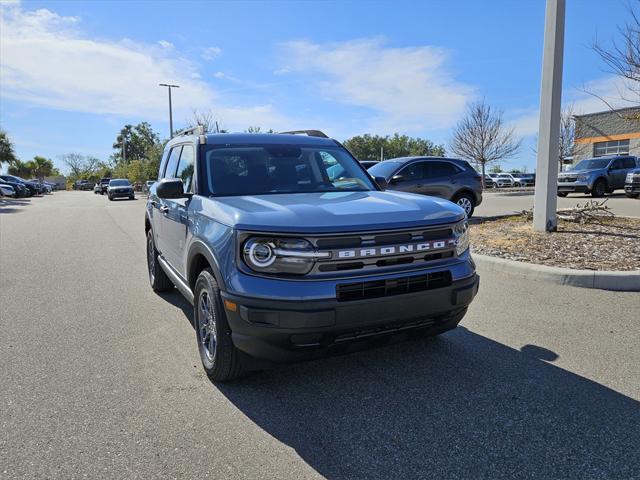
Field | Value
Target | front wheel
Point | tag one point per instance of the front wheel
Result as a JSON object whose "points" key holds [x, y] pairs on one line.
{"points": [[467, 202], [220, 358], [599, 188]]}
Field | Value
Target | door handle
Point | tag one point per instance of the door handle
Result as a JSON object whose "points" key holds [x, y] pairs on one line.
{"points": [[164, 209], [153, 203]]}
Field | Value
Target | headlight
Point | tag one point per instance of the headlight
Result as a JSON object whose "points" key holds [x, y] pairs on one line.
{"points": [[582, 178], [461, 232], [294, 256]]}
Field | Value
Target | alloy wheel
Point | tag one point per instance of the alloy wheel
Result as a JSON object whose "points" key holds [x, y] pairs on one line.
{"points": [[465, 203], [207, 325]]}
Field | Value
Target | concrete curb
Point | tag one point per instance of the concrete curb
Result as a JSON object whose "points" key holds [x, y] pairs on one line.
{"points": [[603, 280]]}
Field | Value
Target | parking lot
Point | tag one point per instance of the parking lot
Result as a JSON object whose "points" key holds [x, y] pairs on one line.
{"points": [[497, 203], [101, 377]]}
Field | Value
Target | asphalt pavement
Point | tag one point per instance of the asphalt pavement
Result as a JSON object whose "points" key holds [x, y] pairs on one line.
{"points": [[495, 203], [100, 377]]}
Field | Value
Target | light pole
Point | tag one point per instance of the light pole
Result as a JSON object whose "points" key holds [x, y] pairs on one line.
{"points": [[169, 87], [545, 197]]}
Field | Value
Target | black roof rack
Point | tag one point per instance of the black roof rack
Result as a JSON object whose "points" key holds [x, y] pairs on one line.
{"points": [[310, 133]]}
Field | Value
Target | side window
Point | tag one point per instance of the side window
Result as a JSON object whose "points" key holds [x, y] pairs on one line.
{"points": [[185, 167], [415, 171], [172, 164], [629, 163], [617, 164], [163, 164], [440, 169]]}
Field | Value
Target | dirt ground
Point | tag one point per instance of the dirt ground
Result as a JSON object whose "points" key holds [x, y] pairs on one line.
{"points": [[609, 244]]}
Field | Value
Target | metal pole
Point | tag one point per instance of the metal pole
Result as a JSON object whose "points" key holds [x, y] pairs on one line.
{"points": [[169, 87], [545, 199], [124, 149], [170, 116]]}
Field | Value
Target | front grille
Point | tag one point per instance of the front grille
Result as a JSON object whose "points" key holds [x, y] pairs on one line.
{"points": [[394, 286], [391, 249], [567, 179]]}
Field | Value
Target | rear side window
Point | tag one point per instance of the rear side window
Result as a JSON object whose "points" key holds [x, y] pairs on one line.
{"points": [[172, 164], [629, 163], [440, 169], [185, 167]]}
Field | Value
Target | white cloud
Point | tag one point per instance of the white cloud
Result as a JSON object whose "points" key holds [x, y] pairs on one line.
{"points": [[408, 89], [46, 61], [211, 52], [589, 98]]}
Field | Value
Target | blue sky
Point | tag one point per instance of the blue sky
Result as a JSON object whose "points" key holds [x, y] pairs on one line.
{"points": [[72, 72]]}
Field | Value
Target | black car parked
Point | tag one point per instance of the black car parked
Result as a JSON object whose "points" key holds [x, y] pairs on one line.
{"points": [[19, 187], [30, 187], [448, 178]]}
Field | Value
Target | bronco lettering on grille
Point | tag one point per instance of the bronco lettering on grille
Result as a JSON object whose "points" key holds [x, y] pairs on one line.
{"points": [[395, 249]]}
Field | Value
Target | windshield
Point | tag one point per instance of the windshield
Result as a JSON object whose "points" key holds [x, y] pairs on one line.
{"points": [[384, 169], [592, 163], [119, 183], [265, 169]]}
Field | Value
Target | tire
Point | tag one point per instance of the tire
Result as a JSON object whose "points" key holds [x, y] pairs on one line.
{"points": [[157, 277], [563, 194], [467, 202], [517, 184], [220, 358], [132, 197], [110, 198], [599, 188]]}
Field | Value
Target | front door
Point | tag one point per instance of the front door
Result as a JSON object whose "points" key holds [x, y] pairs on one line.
{"points": [[175, 221], [410, 178]]}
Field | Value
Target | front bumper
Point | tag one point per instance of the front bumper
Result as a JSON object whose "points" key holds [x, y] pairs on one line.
{"points": [[632, 187], [124, 194], [574, 187], [281, 331]]}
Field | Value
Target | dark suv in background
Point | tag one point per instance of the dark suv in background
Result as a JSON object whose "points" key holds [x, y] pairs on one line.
{"points": [[448, 178]]}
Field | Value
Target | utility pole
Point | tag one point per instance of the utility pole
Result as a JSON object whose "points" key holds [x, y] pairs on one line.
{"points": [[169, 87], [124, 149], [545, 198]]}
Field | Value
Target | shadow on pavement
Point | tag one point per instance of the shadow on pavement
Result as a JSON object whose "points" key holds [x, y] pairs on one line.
{"points": [[458, 406], [8, 204]]}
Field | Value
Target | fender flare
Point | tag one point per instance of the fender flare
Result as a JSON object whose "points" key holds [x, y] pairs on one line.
{"points": [[200, 248]]}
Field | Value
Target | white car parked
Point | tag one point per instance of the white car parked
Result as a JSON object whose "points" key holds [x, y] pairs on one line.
{"points": [[7, 190], [504, 180]]}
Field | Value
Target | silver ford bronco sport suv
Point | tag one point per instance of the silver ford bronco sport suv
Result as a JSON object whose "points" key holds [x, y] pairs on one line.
{"points": [[283, 260]]}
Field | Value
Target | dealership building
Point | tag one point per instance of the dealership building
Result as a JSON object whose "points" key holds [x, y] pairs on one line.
{"points": [[612, 132]]}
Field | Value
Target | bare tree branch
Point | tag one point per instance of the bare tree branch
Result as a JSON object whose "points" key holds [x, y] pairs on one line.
{"points": [[482, 137], [623, 57]]}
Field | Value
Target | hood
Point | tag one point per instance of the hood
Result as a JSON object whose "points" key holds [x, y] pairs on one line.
{"points": [[329, 212]]}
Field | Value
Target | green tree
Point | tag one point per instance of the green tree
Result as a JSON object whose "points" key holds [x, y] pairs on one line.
{"points": [[134, 142], [40, 167], [372, 147], [19, 169], [7, 154]]}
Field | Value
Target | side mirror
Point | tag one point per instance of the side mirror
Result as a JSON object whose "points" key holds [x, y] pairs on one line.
{"points": [[397, 179], [170, 188], [382, 182]]}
